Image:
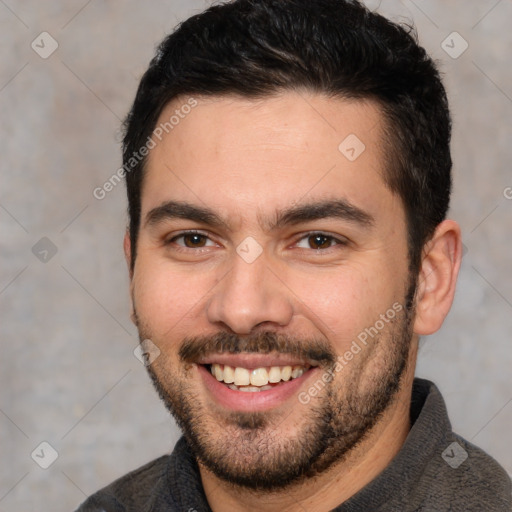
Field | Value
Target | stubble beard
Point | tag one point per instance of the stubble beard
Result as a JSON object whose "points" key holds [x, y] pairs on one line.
{"points": [[253, 450]]}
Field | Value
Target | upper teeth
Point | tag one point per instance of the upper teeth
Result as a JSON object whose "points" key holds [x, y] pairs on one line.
{"points": [[256, 377]]}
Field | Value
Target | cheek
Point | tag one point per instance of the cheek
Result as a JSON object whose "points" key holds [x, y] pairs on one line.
{"points": [[166, 299], [343, 302]]}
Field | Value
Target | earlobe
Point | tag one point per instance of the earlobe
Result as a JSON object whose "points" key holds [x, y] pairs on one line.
{"points": [[437, 278]]}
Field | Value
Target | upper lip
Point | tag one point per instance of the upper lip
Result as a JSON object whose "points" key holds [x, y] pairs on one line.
{"points": [[251, 361]]}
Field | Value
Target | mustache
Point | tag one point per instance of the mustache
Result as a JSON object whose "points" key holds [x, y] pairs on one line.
{"points": [[264, 342]]}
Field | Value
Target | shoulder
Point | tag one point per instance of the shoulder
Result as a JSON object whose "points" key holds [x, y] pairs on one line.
{"points": [[468, 478], [483, 476], [130, 491], [446, 472]]}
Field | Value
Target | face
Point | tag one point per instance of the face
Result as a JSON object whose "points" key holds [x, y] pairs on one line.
{"points": [[272, 275]]}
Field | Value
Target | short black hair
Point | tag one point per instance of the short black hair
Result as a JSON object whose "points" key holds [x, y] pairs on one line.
{"points": [[256, 48]]}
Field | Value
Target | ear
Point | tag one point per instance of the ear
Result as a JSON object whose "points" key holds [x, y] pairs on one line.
{"points": [[440, 265], [127, 246]]}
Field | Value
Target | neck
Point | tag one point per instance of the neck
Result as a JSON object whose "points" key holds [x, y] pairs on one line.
{"points": [[333, 487]]}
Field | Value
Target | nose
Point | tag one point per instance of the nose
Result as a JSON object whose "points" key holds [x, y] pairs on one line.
{"points": [[250, 294]]}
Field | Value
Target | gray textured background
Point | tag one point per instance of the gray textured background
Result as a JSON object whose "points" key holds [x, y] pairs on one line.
{"points": [[69, 376]]}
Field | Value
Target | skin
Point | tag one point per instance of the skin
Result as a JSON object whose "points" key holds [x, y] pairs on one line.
{"points": [[247, 160]]}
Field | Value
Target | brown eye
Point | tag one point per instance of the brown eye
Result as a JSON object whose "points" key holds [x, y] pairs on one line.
{"points": [[193, 240], [319, 241]]}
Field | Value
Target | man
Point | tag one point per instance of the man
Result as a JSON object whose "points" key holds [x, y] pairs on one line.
{"points": [[288, 174]]}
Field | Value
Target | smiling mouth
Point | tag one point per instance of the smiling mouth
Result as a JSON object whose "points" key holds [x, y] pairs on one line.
{"points": [[255, 379]]}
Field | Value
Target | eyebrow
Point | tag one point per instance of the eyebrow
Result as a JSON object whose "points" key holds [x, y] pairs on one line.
{"points": [[318, 210], [182, 210], [329, 209]]}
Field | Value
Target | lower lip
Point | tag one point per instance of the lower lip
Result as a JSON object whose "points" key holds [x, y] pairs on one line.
{"points": [[246, 401]]}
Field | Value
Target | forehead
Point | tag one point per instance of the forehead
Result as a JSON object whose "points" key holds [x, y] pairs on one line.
{"points": [[245, 155]]}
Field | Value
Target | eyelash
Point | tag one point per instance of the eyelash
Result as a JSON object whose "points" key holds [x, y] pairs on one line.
{"points": [[181, 235], [340, 242]]}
